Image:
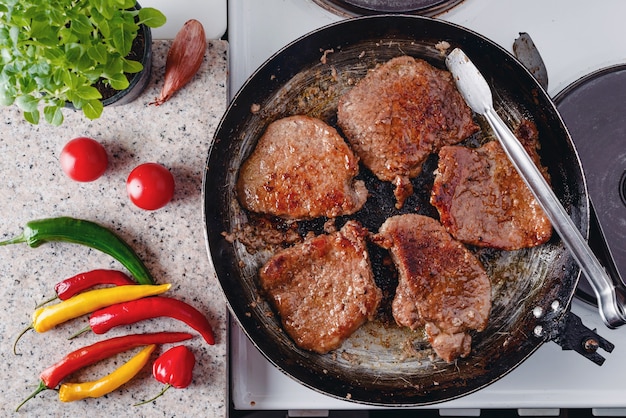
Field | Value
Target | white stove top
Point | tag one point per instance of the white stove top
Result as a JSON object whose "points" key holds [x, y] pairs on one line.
{"points": [[575, 38], [550, 379]]}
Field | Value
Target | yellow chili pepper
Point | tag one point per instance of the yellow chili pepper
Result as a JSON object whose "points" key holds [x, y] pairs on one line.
{"points": [[47, 317], [69, 392]]}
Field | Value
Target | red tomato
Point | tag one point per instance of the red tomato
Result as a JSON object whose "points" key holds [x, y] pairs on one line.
{"points": [[150, 186], [83, 159]]}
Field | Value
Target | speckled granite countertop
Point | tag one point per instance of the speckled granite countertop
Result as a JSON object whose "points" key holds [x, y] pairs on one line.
{"points": [[169, 240]]}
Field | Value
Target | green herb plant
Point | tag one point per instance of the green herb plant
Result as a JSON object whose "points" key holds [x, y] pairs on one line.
{"points": [[53, 52]]}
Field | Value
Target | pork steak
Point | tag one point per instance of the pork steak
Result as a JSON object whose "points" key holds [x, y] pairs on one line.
{"points": [[301, 168], [442, 286], [400, 113], [323, 288], [483, 201]]}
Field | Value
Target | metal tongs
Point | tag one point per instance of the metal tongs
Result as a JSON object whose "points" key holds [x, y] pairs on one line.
{"points": [[477, 94]]}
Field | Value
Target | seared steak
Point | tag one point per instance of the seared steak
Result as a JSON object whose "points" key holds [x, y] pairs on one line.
{"points": [[442, 285], [301, 168], [483, 201], [323, 288], [402, 111]]}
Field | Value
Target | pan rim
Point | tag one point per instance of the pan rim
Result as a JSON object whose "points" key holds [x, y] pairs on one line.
{"points": [[239, 314]]}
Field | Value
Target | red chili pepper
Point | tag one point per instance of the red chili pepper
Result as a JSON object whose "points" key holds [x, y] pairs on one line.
{"points": [[127, 313], [71, 286], [174, 368], [101, 350]]}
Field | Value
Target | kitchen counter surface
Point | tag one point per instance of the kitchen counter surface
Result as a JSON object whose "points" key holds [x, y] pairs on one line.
{"points": [[170, 240]]}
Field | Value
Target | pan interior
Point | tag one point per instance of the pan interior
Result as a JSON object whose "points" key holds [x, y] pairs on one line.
{"points": [[382, 364]]}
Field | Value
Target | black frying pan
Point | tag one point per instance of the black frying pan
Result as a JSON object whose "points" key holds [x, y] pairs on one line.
{"points": [[382, 364]]}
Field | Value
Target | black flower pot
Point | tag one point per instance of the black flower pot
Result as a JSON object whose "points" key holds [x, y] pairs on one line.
{"points": [[141, 51]]}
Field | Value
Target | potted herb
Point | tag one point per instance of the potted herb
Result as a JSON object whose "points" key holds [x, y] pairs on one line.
{"points": [[58, 53]]}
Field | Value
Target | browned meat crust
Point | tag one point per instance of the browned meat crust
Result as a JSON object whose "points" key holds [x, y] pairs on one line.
{"points": [[323, 289], [442, 286], [483, 201], [402, 111], [301, 168]]}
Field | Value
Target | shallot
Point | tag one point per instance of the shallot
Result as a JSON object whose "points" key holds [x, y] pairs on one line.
{"points": [[183, 59]]}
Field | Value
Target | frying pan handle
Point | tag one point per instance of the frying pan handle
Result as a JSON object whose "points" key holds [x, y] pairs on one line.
{"points": [[571, 334], [609, 297]]}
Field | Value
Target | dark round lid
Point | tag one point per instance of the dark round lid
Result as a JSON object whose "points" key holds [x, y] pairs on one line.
{"points": [[594, 111]]}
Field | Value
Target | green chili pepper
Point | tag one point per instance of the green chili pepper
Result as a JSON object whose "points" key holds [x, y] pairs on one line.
{"points": [[80, 231]]}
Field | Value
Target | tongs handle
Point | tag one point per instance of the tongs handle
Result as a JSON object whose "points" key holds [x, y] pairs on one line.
{"points": [[477, 94], [611, 311]]}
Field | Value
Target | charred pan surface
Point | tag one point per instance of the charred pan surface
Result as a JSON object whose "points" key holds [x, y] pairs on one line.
{"points": [[323, 289], [301, 168], [483, 201], [402, 111], [442, 285]]}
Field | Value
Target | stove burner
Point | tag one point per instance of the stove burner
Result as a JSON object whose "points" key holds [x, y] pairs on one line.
{"points": [[593, 109], [351, 8]]}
